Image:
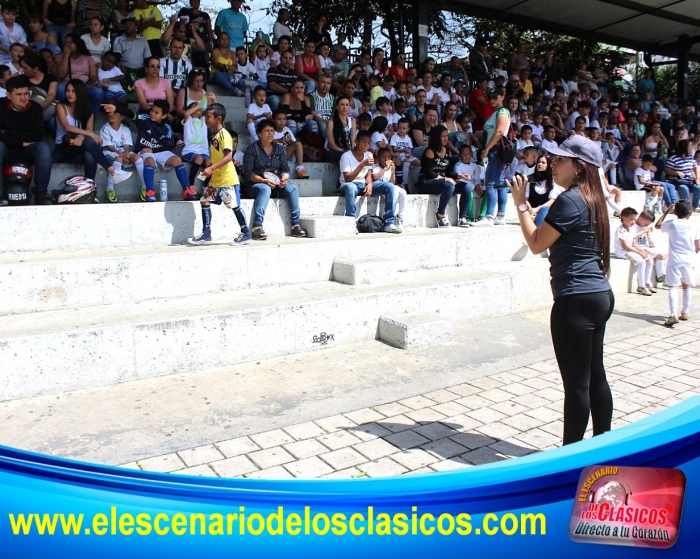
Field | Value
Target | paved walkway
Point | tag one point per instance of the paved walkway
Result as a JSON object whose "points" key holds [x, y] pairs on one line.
{"points": [[491, 418]]}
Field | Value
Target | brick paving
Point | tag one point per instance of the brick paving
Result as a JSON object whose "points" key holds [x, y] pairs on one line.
{"points": [[492, 418]]}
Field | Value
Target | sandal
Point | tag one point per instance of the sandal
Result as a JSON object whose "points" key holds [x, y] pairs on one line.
{"points": [[259, 234], [297, 231]]}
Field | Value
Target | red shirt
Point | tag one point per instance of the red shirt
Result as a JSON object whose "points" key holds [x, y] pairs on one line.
{"points": [[483, 111]]}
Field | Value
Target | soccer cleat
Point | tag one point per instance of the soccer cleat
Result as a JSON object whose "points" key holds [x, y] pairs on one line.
{"points": [[644, 291], [391, 228], [242, 239], [120, 176], [670, 321], [684, 316], [302, 174], [203, 239], [150, 195], [441, 221], [464, 222], [651, 288], [111, 195], [660, 279], [189, 194], [143, 193]]}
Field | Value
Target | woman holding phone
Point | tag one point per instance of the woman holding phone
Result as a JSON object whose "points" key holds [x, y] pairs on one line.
{"points": [[577, 233]]}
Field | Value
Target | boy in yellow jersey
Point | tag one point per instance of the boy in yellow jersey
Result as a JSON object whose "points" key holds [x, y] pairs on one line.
{"points": [[222, 180]]}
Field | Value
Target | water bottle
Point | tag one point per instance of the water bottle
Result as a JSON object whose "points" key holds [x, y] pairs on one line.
{"points": [[259, 35], [163, 190]]}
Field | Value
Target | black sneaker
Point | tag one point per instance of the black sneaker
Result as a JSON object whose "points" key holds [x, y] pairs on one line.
{"points": [[441, 221], [259, 234], [42, 200], [4, 202]]}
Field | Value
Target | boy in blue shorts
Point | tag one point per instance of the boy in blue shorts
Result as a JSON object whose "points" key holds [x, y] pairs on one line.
{"points": [[222, 180]]}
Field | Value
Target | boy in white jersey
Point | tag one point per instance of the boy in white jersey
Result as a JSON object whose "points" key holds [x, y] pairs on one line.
{"points": [[401, 147], [643, 181], [385, 172], [684, 244], [627, 247], [116, 145], [110, 79], [467, 174], [644, 228], [257, 110], [548, 142], [196, 150], [292, 147]]}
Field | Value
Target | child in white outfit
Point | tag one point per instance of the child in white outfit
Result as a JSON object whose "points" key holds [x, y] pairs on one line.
{"points": [[401, 148], [257, 111], [626, 246], [385, 171], [684, 244]]}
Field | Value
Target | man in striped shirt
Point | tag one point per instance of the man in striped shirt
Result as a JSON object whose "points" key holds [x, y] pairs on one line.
{"points": [[679, 172], [322, 103]]}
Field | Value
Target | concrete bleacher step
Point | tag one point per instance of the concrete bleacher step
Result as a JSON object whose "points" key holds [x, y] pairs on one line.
{"points": [[56, 351], [329, 226], [98, 226], [359, 271], [414, 330], [46, 280]]}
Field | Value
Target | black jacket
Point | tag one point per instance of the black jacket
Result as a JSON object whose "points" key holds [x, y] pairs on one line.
{"points": [[17, 127]]}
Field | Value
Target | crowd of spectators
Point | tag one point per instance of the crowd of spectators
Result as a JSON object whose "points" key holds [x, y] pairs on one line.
{"points": [[429, 128]]}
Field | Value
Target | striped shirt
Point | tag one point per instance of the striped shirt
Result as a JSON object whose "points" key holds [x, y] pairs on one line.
{"points": [[322, 105], [682, 164]]}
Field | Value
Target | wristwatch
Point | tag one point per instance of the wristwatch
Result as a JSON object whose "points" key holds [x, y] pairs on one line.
{"points": [[522, 208]]}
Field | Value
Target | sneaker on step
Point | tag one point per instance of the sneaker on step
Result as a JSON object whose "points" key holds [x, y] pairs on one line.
{"points": [[499, 220], [189, 194], [302, 174], [42, 200], [441, 221], [150, 195], [203, 239], [391, 228], [120, 176], [684, 316], [111, 195], [242, 239], [670, 321], [644, 291], [258, 234], [486, 222], [464, 222], [651, 288], [398, 221]]}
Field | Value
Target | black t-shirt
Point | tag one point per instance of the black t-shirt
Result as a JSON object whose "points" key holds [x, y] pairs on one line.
{"points": [[200, 19], [419, 127], [576, 263]]}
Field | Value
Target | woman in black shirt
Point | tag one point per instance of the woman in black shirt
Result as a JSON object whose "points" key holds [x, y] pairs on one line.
{"points": [[433, 177], [577, 233]]}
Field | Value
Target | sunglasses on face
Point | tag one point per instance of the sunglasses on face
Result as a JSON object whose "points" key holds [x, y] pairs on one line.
{"points": [[154, 66]]}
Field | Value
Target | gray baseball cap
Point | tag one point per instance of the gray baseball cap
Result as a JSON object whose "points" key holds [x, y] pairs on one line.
{"points": [[581, 148]]}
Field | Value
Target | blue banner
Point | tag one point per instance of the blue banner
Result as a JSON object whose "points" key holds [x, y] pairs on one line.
{"points": [[51, 507]]}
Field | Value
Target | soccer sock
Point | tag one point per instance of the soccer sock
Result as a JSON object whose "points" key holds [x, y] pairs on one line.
{"points": [[614, 205], [238, 212], [139, 169], [660, 268], [149, 177], [641, 272], [484, 205], [686, 300], [181, 173], [251, 131], [673, 300], [649, 269], [194, 169], [206, 219], [406, 167], [401, 193]]}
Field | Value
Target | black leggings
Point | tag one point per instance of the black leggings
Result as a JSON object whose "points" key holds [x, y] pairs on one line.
{"points": [[578, 329]]}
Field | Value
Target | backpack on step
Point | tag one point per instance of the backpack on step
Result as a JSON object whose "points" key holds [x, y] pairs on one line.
{"points": [[370, 224]]}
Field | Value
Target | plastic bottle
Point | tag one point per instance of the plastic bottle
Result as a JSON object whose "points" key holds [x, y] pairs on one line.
{"points": [[259, 34], [163, 184]]}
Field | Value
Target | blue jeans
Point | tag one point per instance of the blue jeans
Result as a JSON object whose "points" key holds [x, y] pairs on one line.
{"points": [[683, 187], [90, 153], [273, 101], [309, 126], [322, 124], [442, 187], [332, 155], [261, 192], [59, 33], [96, 96], [39, 153], [309, 86], [495, 178], [352, 190], [670, 196], [695, 189], [222, 80], [465, 190], [541, 214]]}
